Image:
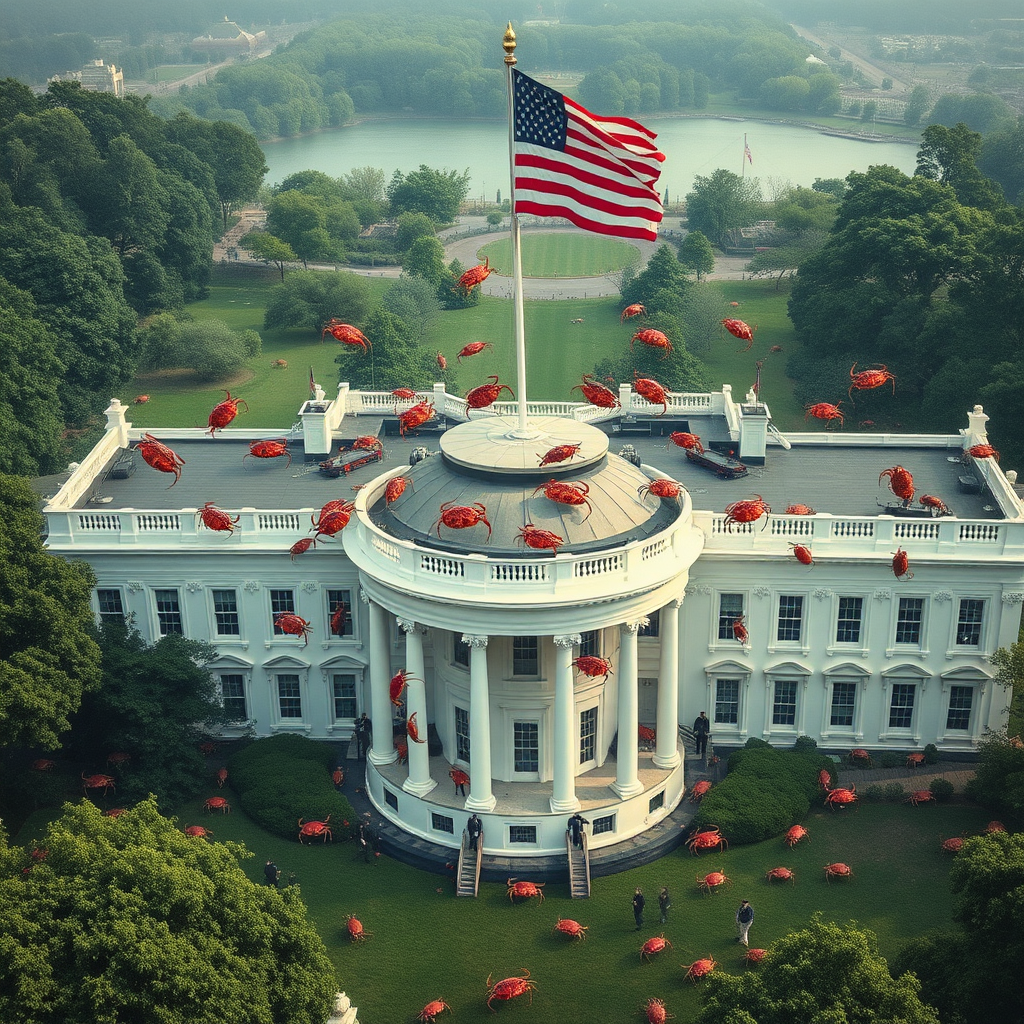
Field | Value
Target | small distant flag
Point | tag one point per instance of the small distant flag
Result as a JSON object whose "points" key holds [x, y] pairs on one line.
{"points": [[746, 152], [312, 382]]}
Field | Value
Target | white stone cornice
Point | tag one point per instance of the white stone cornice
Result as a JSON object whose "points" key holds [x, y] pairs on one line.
{"points": [[569, 640], [364, 596], [406, 625], [633, 627], [474, 641]]}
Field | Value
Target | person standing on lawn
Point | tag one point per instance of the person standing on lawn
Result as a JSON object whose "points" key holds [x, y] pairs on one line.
{"points": [[744, 919], [664, 902], [701, 729], [638, 908]]}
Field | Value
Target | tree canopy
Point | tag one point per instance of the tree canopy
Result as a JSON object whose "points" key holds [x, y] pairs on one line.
{"points": [[130, 919], [436, 193], [720, 202]]}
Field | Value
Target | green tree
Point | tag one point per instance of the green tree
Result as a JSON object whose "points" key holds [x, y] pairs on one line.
{"points": [[397, 361], [309, 299], [1002, 160], [413, 300], [696, 254], [130, 919], [299, 219], [868, 111], [721, 202], [949, 155], [262, 245], [823, 96], [48, 657], [411, 227], [438, 194], [366, 184], [790, 92], [425, 258], [210, 348], [918, 102], [702, 316], [792, 983]]}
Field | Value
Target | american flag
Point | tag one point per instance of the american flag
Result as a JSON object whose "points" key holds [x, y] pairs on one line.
{"points": [[599, 173], [746, 153], [312, 382]]}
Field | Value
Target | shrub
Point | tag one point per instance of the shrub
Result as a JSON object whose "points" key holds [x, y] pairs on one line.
{"points": [[999, 782], [931, 754], [889, 759], [893, 792], [942, 790], [873, 794], [805, 745]]}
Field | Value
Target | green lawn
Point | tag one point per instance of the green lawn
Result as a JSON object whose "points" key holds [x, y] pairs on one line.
{"points": [[562, 254], [427, 944]]}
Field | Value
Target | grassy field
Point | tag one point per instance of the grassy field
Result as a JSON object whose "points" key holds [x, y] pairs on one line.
{"points": [[563, 254], [427, 944]]}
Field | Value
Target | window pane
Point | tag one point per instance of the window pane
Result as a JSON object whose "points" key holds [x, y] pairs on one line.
{"points": [[442, 823], [908, 620], [588, 644], [281, 601], [843, 697], [603, 824], [232, 688], [526, 746], [653, 625], [168, 612], [791, 609], [336, 598], [851, 610], [344, 685], [901, 708], [968, 626], [784, 706], [289, 697], [522, 833], [460, 651], [110, 605], [461, 734], [730, 608], [727, 701], [225, 610], [960, 700], [524, 656], [588, 735]]}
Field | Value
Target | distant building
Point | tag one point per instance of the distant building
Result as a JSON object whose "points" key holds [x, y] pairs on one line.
{"points": [[96, 76], [227, 38]]}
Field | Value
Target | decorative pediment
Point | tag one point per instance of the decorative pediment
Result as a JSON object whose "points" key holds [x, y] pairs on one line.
{"points": [[847, 668], [904, 669], [788, 668], [285, 663], [967, 674], [345, 662], [728, 667], [223, 661]]}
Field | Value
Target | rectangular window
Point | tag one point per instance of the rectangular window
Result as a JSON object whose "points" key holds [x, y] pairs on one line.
{"points": [[791, 611], [730, 608], [843, 697], [901, 707], [232, 689], [461, 734], [391, 799], [968, 623], [442, 823], [344, 686], [281, 601], [168, 612], [588, 735], [960, 700], [526, 746], [288, 696], [653, 624], [849, 619], [111, 606], [335, 600], [784, 705], [522, 834], [908, 620], [525, 659], [225, 611], [588, 644], [727, 701], [656, 802], [605, 824], [460, 651]]}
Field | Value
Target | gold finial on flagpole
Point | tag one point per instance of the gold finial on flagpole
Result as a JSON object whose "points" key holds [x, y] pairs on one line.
{"points": [[508, 44]]}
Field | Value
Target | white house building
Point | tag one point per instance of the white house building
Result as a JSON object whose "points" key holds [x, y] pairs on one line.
{"points": [[489, 629]]}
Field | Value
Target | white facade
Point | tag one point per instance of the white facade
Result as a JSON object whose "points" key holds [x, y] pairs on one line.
{"points": [[840, 651]]}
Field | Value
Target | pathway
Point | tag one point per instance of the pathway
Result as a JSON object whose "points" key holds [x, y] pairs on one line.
{"points": [[957, 772]]}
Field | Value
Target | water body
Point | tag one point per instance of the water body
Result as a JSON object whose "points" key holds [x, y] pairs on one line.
{"points": [[692, 146]]}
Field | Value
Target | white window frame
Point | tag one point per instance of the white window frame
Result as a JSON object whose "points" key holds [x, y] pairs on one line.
{"points": [[845, 672], [584, 766], [716, 643], [229, 665], [979, 678], [157, 632], [835, 646], [786, 672], [526, 718], [803, 645], [463, 706], [226, 639], [275, 636], [982, 646], [99, 611], [342, 665], [539, 673], [729, 670], [352, 620], [284, 666], [903, 674], [919, 650]]}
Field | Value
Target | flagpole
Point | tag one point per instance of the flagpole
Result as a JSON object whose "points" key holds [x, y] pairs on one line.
{"points": [[509, 45], [743, 158]]}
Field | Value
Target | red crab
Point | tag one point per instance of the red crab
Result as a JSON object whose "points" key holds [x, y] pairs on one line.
{"points": [[653, 946], [104, 782], [534, 537], [156, 454], [458, 777], [636, 309], [115, 812], [691, 442], [913, 760], [216, 803], [747, 511], [920, 796], [699, 969], [595, 393], [524, 890], [566, 493], [460, 517], [572, 928], [473, 348], [838, 870], [560, 453], [655, 1012], [415, 417], [346, 334], [225, 412], [403, 751], [982, 451], [442, 363], [824, 411], [803, 554], [395, 489], [841, 797], [799, 510], [901, 565], [412, 730], [859, 754], [222, 777], [781, 875], [709, 839], [272, 449], [356, 931], [476, 275], [214, 518], [197, 831], [939, 506], [868, 379], [741, 330], [652, 339], [754, 956], [660, 488], [118, 758], [591, 665], [141, 399], [509, 988], [311, 829], [739, 631], [993, 827], [650, 391], [43, 764], [795, 834], [406, 394], [332, 518], [774, 349], [952, 845], [901, 483], [699, 791], [484, 395], [397, 686], [712, 880], [824, 781], [293, 625], [300, 547], [365, 442], [431, 1010]]}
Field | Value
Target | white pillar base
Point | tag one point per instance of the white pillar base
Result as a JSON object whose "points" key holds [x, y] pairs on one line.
{"points": [[419, 788], [389, 757], [625, 792], [480, 805], [560, 806], [667, 762]]}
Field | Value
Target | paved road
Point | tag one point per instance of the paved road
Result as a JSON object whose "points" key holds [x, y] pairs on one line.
{"points": [[872, 72]]}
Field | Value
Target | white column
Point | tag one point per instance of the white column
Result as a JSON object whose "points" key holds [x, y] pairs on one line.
{"points": [[480, 796], [383, 749], [563, 791], [627, 781], [419, 781], [666, 751]]}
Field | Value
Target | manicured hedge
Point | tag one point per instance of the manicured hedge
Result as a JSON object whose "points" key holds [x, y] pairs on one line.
{"points": [[765, 791], [284, 778]]}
